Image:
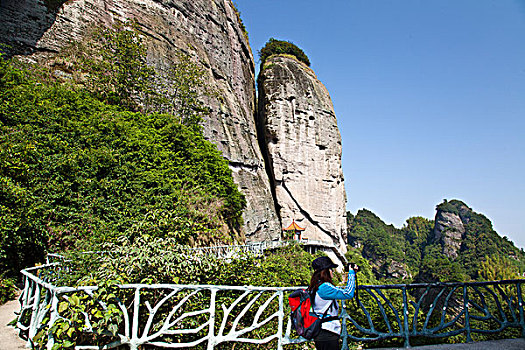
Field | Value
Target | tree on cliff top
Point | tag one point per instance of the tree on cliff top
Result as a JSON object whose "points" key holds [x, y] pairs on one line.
{"points": [[279, 47]]}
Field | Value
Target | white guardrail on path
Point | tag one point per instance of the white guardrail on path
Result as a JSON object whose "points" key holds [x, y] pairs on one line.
{"points": [[258, 248], [161, 314], [168, 315]]}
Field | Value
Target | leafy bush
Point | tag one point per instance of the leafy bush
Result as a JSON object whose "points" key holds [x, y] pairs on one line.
{"points": [[157, 260], [7, 289], [76, 169], [111, 63], [163, 260], [279, 47], [447, 207], [120, 72]]}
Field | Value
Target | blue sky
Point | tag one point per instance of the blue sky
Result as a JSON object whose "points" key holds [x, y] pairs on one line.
{"points": [[429, 97]]}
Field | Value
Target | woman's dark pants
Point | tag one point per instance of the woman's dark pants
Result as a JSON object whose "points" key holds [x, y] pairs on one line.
{"points": [[327, 341]]}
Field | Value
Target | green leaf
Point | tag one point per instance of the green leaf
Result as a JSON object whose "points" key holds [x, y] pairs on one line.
{"points": [[113, 328], [74, 300], [68, 344], [62, 306], [39, 335], [70, 332]]}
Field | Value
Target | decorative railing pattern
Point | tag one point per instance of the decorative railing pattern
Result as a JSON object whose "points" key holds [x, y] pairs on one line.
{"points": [[210, 317], [437, 310], [258, 248], [232, 251]]}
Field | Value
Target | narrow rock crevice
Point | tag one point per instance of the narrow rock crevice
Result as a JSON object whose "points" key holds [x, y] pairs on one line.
{"points": [[262, 140]]}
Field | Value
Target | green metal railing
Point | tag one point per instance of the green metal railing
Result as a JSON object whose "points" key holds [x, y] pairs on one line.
{"points": [[207, 317], [436, 310]]}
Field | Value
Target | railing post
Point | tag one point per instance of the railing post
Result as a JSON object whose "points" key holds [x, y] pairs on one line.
{"points": [[406, 329], [520, 308], [211, 332], [135, 324], [53, 315], [25, 295], [467, 315], [281, 321], [33, 323], [344, 330], [24, 301]]}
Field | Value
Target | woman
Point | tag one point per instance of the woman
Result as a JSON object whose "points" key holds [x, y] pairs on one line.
{"points": [[325, 304]]}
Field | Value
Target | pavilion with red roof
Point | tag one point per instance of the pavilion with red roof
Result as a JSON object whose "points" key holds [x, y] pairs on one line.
{"points": [[294, 229]]}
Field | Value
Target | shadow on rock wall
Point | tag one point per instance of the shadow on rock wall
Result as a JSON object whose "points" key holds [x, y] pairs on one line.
{"points": [[24, 22]]}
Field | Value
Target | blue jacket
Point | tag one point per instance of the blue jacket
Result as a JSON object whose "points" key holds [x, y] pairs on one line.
{"points": [[324, 300]]}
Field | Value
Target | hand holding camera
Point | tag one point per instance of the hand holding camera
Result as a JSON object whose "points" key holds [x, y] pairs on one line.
{"points": [[353, 266]]}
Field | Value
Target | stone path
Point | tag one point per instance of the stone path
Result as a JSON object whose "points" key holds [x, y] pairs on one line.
{"points": [[9, 339], [504, 344]]}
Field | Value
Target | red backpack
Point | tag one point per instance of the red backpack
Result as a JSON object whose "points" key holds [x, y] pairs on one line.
{"points": [[305, 321]]}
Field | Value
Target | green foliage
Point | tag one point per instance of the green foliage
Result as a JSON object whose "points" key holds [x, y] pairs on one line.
{"points": [[497, 268], [481, 241], [112, 63], [381, 244], [279, 47], [69, 330], [415, 246], [74, 168], [163, 260], [285, 267], [416, 231], [182, 97], [447, 207], [436, 267], [7, 289]]}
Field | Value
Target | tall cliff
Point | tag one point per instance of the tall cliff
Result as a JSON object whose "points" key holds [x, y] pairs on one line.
{"points": [[302, 145], [209, 31]]}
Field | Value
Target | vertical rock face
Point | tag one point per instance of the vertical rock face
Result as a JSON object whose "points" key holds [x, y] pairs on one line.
{"points": [[207, 30], [449, 231], [302, 145]]}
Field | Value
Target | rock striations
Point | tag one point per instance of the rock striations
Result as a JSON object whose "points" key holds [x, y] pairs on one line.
{"points": [[303, 148], [449, 231], [210, 32], [302, 141]]}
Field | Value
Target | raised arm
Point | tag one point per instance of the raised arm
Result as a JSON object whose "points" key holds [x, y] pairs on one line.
{"points": [[328, 291]]}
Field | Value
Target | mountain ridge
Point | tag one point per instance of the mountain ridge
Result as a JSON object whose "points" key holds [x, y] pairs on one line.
{"points": [[458, 245]]}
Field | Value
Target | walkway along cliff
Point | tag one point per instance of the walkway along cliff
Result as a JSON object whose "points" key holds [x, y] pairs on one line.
{"points": [[301, 178]]}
